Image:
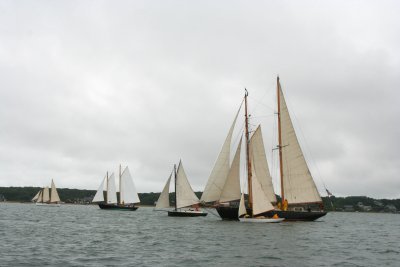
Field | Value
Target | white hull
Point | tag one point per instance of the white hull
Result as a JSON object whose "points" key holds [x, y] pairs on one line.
{"points": [[192, 211], [261, 220], [48, 204]]}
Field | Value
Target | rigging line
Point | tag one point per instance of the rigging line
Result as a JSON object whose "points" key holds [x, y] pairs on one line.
{"points": [[262, 116], [238, 134], [260, 103]]}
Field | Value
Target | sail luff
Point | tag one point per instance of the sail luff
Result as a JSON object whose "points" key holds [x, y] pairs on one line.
{"points": [[163, 199], [298, 184], [219, 173], [185, 195], [99, 196], [231, 189], [54, 194]]}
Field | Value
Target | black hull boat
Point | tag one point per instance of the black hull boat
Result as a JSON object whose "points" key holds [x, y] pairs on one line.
{"points": [[186, 213], [105, 206], [231, 213]]}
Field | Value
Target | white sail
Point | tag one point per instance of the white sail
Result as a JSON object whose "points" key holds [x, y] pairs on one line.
{"points": [[163, 200], [54, 195], [36, 196], [219, 173], [242, 207], [40, 197], [99, 197], [261, 203], [184, 192], [260, 164], [298, 184], [128, 192], [46, 195], [231, 189], [111, 191]]}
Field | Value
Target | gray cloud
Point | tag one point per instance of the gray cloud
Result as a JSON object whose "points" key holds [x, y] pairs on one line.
{"points": [[87, 85]]}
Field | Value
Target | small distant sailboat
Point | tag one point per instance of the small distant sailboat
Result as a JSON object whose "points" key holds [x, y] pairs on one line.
{"points": [[184, 196], [128, 195], [44, 198]]}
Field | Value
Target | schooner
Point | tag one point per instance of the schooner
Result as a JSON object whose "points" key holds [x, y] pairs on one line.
{"points": [[128, 195], [184, 196], [46, 198], [300, 199]]}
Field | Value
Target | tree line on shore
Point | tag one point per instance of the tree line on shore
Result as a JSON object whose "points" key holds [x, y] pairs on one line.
{"points": [[83, 196]]}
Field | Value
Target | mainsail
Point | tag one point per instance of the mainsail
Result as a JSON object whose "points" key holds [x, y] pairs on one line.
{"points": [[163, 200], [128, 192], [298, 184], [54, 195], [219, 173], [40, 197], [111, 191], [231, 189], [260, 164], [99, 197], [184, 192], [46, 196]]}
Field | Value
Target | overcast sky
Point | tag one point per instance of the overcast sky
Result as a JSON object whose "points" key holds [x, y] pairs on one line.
{"points": [[86, 85]]}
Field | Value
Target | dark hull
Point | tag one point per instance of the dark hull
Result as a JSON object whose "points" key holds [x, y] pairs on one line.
{"points": [[105, 206], [231, 213], [186, 214]]}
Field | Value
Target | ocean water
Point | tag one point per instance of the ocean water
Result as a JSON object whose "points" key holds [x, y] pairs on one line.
{"points": [[74, 235]]}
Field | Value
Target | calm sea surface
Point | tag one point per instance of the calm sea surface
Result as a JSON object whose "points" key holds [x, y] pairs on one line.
{"points": [[74, 235]]}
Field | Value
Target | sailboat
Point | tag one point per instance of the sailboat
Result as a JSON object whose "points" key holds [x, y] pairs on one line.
{"points": [[300, 199], [46, 198], [184, 196], [128, 195]]}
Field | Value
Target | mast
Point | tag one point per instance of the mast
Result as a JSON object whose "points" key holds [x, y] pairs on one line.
{"points": [[249, 174], [107, 188], [176, 203], [278, 88], [120, 199]]}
